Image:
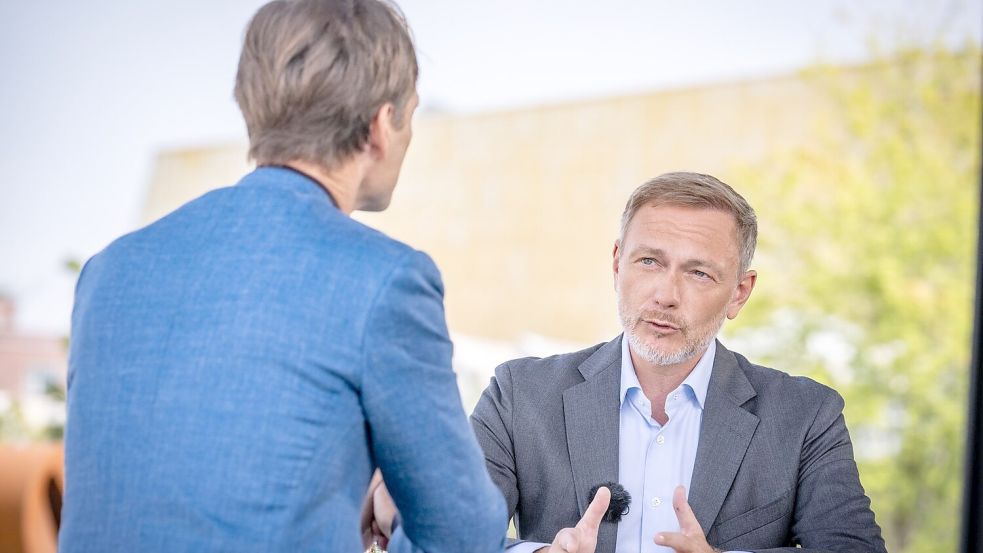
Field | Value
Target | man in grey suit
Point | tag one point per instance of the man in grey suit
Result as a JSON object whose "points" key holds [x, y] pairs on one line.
{"points": [[717, 453]]}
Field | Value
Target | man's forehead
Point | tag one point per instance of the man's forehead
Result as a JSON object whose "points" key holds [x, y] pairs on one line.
{"points": [[710, 218], [716, 228]]}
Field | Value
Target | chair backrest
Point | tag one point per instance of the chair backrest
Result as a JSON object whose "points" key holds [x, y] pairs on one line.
{"points": [[32, 478]]}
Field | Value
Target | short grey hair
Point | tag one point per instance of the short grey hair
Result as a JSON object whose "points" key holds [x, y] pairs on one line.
{"points": [[313, 74], [699, 191]]}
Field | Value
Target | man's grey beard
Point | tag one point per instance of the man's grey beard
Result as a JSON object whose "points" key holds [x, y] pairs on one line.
{"points": [[691, 348]]}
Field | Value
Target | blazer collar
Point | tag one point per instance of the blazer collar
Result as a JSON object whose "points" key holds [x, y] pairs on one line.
{"points": [[591, 411], [725, 435], [603, 358], [286, 178]]}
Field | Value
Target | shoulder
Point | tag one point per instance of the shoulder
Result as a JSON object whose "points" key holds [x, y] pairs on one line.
{"points": [[280, 222], [540, 367], [532, 385], [308, 252], [794, 396], [542, 376], [379, 246]]}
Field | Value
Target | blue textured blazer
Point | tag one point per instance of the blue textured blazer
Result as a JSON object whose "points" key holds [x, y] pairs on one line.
{"points": [[239, 368]]}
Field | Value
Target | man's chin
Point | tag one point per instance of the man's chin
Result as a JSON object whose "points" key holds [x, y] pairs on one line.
{"points": [[654, 350], [375, 204]]}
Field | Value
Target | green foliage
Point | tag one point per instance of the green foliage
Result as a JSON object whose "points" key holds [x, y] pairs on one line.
{"points": [[13, 428], [868, 237], [16, 427]]}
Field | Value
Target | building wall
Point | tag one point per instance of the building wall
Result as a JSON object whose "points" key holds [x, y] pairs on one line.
{"points": [[520, 209], [28, 361]]}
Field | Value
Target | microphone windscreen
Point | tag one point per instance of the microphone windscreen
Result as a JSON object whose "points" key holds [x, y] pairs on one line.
{"points": [[620, 500]]}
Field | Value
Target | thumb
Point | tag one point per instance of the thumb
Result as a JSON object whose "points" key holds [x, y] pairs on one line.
{"points": [[595, 511], [688, 524]]}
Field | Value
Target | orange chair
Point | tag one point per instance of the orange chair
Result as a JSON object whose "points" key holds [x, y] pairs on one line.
{"points": [[32, 477]]}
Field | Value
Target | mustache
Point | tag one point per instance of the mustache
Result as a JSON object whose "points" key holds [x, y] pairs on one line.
{"points": [[661, 317]]}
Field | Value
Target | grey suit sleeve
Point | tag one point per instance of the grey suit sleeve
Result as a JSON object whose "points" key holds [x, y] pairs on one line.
{"points": [[492, 422], [420, 437], [832, 512]]}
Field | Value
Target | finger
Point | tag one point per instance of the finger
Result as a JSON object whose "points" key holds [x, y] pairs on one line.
{"points": [[369, 493], [565, 541], [684, 513], [381, 493], [595, 511], [375, 482], [368, 502], [678, 542]]}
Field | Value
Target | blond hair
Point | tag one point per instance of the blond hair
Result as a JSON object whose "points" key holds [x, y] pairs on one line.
{"points": [[699, 191], [313, 74]]}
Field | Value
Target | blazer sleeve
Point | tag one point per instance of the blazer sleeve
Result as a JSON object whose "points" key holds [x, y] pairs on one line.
{"points": [[492, 423], [492, 420], [420, 437], [832, 512]]}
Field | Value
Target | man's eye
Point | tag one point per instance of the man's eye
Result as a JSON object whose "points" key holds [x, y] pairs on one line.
{"points": [[701, 274], [647, 261]]}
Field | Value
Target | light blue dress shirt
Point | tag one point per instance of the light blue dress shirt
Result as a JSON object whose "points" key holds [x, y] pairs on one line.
{"points": [[652, 458]]}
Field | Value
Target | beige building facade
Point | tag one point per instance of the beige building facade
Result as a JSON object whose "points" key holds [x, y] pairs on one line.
{"points": [[520, 209]]}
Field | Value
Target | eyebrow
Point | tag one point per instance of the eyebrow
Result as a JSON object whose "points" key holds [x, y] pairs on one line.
{"points": [[689, 263]]}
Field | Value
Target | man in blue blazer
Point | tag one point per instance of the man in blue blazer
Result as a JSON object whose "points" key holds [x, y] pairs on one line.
{"points": [[239, 368]]}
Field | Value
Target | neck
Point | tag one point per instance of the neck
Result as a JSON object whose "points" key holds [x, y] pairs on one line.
{"points": [[658, 380], [341, 183]]}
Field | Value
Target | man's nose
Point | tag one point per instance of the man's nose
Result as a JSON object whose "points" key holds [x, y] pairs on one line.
{"points": [[665, 290]]}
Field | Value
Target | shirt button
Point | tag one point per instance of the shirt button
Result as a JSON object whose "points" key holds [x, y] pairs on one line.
{"points": [[675, 395], [656, 501], [660, 440]]}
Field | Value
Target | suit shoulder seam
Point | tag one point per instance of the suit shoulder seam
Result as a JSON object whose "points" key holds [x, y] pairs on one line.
{"points": [[383, 287]]}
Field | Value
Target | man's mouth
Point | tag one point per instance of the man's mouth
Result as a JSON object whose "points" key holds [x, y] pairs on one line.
{"points": [[664, 326]]}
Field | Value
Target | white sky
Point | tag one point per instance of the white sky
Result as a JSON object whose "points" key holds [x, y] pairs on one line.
{"points": [[91, 90]]}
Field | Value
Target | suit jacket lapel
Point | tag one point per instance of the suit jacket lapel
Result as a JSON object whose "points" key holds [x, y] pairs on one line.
{"points": [[591, 412], [725, 434]]}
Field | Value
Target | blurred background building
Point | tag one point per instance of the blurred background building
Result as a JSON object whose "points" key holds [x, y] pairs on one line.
{"points": [[532, 132], [32, 375], [864, 180], [520, 208]]}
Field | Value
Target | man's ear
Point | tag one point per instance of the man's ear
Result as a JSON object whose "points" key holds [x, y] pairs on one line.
{"points": [[741, 294], [614, 261], [380, 130]]}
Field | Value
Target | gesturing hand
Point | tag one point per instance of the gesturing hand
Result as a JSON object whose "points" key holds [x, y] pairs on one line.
{"points": [[690, 538], [370, 530], [378, 512], [384, 510], [583, 537]]}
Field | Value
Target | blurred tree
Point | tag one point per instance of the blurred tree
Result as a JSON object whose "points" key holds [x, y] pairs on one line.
{"points": [[868, 236]]}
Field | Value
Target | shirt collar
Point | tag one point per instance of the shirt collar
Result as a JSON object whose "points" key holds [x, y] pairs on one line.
{"points": [[697, 381]]}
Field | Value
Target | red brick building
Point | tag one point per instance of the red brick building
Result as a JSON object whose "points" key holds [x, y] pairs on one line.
{"points": [[28, 362]]}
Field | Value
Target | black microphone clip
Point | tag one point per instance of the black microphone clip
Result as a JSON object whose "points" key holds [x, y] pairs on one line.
{"points": [[620, 500]]}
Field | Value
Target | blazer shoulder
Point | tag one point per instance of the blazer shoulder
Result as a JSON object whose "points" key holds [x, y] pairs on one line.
{"points": [[773, 385], [545, 368]]}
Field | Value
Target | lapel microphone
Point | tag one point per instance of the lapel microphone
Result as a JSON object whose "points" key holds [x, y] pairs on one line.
{"points": [[620, 500]]}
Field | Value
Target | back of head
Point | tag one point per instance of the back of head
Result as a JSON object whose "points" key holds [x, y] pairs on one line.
{"points": [[313, 73], [699, 191]]}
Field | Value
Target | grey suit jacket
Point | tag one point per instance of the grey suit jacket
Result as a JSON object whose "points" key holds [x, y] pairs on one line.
{"points": [[774, 467]]}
